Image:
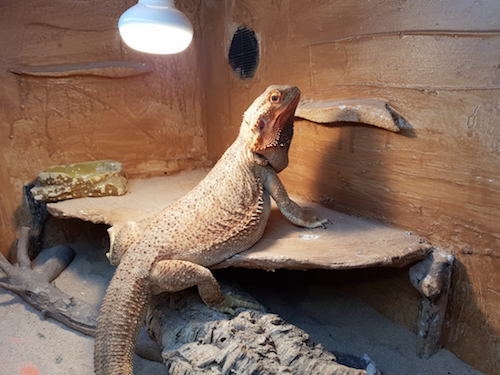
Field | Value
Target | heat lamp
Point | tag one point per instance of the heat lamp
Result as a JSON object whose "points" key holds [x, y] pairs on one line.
{"points": [[155, 26]]}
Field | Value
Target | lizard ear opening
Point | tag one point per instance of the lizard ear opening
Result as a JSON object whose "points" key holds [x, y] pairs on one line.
{"points": [[262, 124]]}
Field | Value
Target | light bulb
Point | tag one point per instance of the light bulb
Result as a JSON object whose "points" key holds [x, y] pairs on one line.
{"points": [[155, 26]]}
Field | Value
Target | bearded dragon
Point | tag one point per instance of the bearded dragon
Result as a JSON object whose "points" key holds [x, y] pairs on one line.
{"points": [[226, 213]]}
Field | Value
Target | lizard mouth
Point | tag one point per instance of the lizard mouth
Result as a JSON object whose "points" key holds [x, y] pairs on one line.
{"points": [[276, 151], [267, 126], [284, 122]]}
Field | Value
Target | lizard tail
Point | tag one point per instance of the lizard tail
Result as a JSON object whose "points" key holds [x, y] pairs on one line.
{"points": [[119, 319]]}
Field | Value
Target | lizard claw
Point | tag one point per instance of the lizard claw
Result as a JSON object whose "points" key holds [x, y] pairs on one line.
{"points": [[309, 220], [316, 223], [231, 303], [325, 222]]}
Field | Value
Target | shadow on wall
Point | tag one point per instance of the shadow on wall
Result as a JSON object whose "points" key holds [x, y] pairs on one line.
{"points": [[464, 316], [352, 177], [356, 161], [358, 174]]}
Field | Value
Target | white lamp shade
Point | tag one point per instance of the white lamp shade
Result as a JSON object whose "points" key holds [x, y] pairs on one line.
{"points": [[155, 26]]}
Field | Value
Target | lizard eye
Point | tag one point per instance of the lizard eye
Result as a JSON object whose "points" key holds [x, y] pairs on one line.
{"points": [[275, 97]]}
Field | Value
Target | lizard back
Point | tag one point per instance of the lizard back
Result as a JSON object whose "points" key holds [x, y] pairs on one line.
{"points": [[226, 212]]}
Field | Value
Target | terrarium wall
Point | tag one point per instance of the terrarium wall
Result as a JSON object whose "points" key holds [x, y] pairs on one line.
{"points": [[151, 122], [437, 64]]}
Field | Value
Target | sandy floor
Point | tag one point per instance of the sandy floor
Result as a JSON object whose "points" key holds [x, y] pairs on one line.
{"points": [[32, 345]]}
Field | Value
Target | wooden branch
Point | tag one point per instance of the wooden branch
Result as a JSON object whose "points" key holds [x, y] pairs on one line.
{"points": [[35, 288], [431, 277], [22, 256], [51, 262], [10, 287], [5, 265], [38, 211], [32, 282]]}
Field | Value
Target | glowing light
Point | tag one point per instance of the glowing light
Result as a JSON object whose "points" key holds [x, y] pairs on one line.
{"points": [[155, 26]]}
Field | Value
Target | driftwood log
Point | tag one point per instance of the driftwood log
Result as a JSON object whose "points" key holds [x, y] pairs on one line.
{"points": [[432, 277], [199, 340], [195, 339]]}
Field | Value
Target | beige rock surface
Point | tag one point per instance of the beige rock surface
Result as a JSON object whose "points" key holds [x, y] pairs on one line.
{"points": [[368, 111], [349, 242]]}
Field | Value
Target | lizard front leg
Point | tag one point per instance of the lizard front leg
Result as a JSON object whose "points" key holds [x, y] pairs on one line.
{"points": [[291, 210], [177, 275]]}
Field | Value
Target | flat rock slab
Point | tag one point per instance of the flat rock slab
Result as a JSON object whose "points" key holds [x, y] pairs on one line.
{"points": [[368, 111], [145, 197], [350, 242]]}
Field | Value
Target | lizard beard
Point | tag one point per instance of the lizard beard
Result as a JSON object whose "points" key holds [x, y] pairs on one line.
{"points": [[277, 156]]}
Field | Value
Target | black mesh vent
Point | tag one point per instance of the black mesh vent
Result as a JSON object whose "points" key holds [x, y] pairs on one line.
{"points": [[244, 52]]}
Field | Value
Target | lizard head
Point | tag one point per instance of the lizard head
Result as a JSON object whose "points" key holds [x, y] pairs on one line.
{"points": [[268, 124]]}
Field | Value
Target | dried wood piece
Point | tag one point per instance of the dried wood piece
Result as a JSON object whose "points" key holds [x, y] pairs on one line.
{"points": [[197, 340], [23, 258], [107, 69], [431, 277], [35, 287], [32, 281], [38, 213], [368, 111]]}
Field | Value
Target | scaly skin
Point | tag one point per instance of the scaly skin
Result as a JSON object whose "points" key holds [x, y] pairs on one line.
{"points": [[222, 216]]}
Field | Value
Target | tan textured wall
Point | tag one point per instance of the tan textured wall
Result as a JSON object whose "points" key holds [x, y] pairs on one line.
{"points": [[437, 63], [152, 123]]}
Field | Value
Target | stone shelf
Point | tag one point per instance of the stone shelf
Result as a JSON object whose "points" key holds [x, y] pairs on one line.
{"points": [[350, 242], [367, 111]]}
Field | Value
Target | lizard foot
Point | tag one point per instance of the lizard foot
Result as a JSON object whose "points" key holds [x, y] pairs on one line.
{"points": [[231, 303], [315, 222]]}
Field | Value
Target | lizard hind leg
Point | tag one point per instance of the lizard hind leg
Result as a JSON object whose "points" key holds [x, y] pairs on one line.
{"points": [[121, 238], [177, 275]]}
